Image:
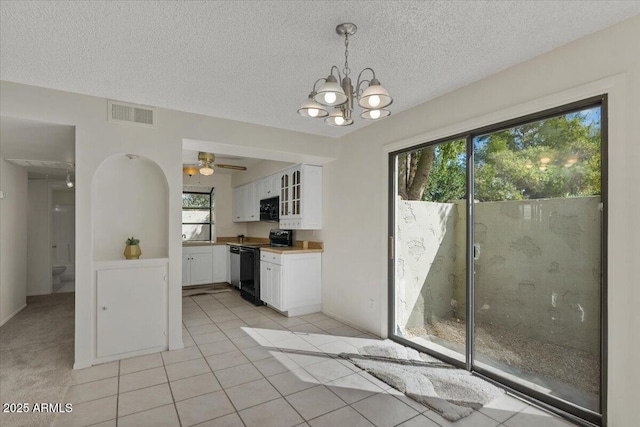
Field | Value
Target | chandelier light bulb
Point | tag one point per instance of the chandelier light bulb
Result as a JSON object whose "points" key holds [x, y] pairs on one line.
{"points": [[313, 112], [375, 114], [339, 121], [329, 97], [374, 101]]}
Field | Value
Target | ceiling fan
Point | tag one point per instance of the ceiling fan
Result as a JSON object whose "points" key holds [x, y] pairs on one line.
{"points": [[205, 165]]}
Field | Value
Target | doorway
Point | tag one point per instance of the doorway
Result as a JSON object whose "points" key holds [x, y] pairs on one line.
{"points": [[499, 250]]}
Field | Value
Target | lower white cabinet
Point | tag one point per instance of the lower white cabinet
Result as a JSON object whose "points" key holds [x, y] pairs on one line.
{"points": [[204, 264], [220, 263], [197, 265], [131, 309], [291, 283]]}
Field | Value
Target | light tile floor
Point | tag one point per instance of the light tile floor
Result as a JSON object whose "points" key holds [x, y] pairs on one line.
{"points": [[250, 366]]}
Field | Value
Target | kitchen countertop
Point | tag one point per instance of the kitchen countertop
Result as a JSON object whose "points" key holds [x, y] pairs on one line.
{"points": [[290, 250], [202, 243]]}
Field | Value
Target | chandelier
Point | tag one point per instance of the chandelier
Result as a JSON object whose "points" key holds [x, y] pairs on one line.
{"points": [[339, 96]]}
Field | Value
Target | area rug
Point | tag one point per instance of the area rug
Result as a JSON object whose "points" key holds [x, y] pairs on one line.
{"points": [[216, 288], [451, 392]]}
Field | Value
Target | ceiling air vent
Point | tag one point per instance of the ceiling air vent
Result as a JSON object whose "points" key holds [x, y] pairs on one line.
{"points": [[121, 112]]}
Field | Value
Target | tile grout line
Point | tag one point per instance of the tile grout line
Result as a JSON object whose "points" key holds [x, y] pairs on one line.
{"points": [[173, 398], [221, 386], [118, 395]]}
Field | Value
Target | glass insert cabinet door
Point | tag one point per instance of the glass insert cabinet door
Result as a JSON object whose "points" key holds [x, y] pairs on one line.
{"points": [[498, 246]]}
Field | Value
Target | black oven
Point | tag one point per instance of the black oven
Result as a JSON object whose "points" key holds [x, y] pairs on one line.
{"points": [[269, 209]]}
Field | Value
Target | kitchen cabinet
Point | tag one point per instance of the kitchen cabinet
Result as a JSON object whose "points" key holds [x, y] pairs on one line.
{"points": [[220, 263], [197, 265], [291, 283], [268, 187], [245, 204], [129, 295], [301, 197]]}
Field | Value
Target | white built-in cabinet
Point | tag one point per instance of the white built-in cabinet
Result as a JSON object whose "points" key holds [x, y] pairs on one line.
{"points": [[301, 198], [131, 305], [220, 263], [291, 283], [300, 190], [204, 264], [246, 204]]}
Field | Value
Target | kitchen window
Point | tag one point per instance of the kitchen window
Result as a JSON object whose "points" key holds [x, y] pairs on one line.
{"points": [[197, 215]]}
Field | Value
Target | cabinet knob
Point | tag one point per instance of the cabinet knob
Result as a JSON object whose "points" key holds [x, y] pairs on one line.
{"points": [[104, 308]]}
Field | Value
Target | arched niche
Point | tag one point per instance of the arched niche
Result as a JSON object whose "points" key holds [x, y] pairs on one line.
{"points": [[129, 198]]}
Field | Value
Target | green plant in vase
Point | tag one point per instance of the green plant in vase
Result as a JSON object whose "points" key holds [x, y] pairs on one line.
{"points": [[132, 250]]}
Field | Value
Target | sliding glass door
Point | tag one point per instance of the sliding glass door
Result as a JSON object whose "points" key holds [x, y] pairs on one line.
{"points": [[430, 233], [498, 253]]}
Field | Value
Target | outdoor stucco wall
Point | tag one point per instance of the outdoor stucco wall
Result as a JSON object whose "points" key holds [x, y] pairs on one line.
{"points": [[426, 261], [537, 272]]}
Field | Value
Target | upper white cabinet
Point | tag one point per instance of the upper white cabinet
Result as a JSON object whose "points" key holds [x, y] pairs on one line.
{"points": [[300, 192], [246, 204], [301, 198], [268, 187]]}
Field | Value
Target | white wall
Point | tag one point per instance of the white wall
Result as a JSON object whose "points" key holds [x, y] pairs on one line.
{"points": [[355, 258], [13, 242], [130, 200], [257, 171], [38, 238], [224, 225], [64, 197]]}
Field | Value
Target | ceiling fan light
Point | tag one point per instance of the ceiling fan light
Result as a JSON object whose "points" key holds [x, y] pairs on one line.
{"points": [[337, 119], [375, 114], [312, 109], [206, 170], [375, 97], [330, 93], [190, 170]]}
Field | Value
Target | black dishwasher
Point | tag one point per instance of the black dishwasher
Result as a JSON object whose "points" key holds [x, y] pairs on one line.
{"points": [[250, 274]]}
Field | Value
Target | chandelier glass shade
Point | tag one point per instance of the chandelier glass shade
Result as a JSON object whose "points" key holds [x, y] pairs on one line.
{"points": [[339, 93], [313, 109]]}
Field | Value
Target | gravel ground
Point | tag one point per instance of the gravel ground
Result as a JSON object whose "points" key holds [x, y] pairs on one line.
{"points": [[526, 356]]}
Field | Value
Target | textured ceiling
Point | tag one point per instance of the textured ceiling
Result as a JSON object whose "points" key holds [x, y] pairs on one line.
{"points": [[256, 61]]}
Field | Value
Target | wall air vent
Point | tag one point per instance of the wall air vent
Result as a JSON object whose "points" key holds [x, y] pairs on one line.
{"points": [[121, 112]]}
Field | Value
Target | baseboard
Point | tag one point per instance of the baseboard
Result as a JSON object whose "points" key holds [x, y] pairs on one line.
{"points": [[12, 315], [34, 294], [350, 323]]}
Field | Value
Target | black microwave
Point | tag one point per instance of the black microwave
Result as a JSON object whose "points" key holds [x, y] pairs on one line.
{"points": [[269, 209]]}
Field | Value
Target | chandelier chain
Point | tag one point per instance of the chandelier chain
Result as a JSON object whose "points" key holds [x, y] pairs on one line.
{"points": [[346, 70]]}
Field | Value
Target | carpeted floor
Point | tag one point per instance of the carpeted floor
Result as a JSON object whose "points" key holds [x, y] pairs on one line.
{"points": [[36, 356]]}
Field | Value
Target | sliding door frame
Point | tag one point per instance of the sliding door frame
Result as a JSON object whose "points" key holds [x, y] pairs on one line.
{"points": [[566, 409]]}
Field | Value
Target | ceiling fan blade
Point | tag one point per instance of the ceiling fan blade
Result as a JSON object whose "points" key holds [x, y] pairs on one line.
{"points": [[234, 167]]}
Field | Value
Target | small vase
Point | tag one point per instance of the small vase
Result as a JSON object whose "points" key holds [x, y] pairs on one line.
{"points": [[132, 252]]}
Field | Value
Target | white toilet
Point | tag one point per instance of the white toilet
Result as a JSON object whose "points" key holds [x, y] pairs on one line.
{"points": [[57, 272]]}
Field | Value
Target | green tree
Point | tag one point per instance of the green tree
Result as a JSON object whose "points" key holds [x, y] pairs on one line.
{"points": [[555, 157]]}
